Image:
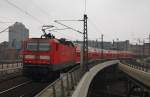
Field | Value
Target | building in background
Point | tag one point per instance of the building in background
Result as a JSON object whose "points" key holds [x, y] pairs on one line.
{"points": [[141, 49], [137, 49], [7, 53], [106, 45], [121, 45], [146, 49], [17, 33], [97, 44]]}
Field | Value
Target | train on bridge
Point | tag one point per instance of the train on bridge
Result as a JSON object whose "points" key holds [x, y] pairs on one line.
{"points": [[45, 58]]}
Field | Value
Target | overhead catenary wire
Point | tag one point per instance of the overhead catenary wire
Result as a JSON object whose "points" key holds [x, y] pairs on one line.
{"points": [[94, 25], [4, 30], [85, 6], [10, 20], [1, 22], [58, 31], [23, 11], [48, 14], [68, 20], [57, 21], [65, 35], [43, 11]]}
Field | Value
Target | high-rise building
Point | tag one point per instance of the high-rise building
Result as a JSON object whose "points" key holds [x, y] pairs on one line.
{"points": [[17, 33]]}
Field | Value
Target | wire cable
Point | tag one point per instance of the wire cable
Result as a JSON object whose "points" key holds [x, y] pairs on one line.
{"points": [[43, 11], [5, 22], [25, 12], [94, 25], [85, 6], [57, 21], [4, 30]]}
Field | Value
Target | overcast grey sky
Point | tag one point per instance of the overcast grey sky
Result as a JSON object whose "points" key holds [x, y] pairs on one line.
{"points": [[123, 19]]}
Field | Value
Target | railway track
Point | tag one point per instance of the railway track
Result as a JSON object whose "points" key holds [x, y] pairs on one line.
{"points": [[26, 89], [21, 87]]}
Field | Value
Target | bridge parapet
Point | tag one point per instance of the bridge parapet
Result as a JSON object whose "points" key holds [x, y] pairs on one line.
{"points": [[139, 75], [141, 66], [74, 79], [64, 86], [83, 86]]}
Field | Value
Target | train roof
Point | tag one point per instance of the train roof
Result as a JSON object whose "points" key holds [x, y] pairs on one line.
{"points": [[61, 41]]}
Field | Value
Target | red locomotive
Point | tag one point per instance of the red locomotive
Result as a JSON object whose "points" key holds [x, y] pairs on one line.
{"points": [[44, 57]]}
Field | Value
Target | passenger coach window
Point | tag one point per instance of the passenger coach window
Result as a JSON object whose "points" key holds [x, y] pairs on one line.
{"points": [[44, 46]]}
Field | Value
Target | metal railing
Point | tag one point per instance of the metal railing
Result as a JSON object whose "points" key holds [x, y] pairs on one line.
{"points": [[66, 83], [10, 61], [7, 68], [63, 86], [141, 66]]}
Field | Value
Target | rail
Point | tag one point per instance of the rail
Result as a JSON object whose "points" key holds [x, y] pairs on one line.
{"points": [[63, 86]]}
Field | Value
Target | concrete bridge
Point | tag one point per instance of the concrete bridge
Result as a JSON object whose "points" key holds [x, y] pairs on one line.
{"points": [[108, 79]]}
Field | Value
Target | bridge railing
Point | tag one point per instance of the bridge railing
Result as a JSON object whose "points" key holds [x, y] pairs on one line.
{"points": [[8, 67], [141, 66], [66, 83], [63, 86]]}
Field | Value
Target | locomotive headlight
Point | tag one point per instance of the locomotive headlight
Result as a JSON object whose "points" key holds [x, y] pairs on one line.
{"points": [[29, 56], [45, 57]]}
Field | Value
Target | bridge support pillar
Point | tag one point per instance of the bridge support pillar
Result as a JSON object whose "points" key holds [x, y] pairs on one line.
{"points": [[135, 91]]}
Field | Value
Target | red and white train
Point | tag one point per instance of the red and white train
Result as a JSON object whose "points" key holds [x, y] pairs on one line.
{"points": [[44, 58]]}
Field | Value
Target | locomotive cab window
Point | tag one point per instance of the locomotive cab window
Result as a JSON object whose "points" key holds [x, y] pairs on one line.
{"points": [[44, 46], [36, 46], [32, 46]]}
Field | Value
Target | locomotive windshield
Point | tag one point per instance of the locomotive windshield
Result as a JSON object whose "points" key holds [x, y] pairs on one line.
{"points": [[32, 46], [38, 46], [44, 46]]}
